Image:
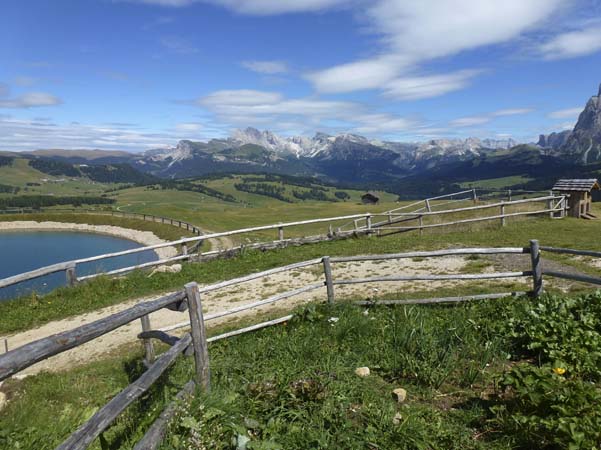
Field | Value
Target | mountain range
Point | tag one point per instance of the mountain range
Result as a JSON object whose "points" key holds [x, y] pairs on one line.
{"points": [[354, 159]]}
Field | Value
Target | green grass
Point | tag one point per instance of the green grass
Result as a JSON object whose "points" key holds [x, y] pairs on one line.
{"points": [[28, 312], [293, 386], [251, 209], [20, 173], [496, 183]]}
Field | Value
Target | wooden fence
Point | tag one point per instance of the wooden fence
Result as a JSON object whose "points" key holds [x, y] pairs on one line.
{"points": [[127, 215], [195, 343], [362, 224]]}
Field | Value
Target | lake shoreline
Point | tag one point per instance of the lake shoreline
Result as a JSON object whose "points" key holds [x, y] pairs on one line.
{"points": [[145, 238]]}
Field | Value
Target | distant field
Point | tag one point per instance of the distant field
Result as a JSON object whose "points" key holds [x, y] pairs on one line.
{"points": [[496, 183], [250, 209], [20, 173]]}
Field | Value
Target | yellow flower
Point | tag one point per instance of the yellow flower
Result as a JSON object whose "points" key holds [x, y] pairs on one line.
{"points": [[559, 370]]}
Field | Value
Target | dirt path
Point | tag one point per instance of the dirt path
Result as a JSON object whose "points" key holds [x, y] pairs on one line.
{"points": [[262, 288], [238, 295]]}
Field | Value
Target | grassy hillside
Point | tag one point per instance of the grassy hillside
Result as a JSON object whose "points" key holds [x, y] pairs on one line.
{"points": [[249, 209]]}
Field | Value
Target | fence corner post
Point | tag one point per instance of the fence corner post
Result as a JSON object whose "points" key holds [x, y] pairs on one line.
{"points": [[71, 275], [327, 270], [148, 345], [199, 337], [537, 268]]}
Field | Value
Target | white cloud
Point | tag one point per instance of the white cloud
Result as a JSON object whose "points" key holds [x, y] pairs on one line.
{"points": [[511, 112], [28, 100], [241, 108], [177, 44], [358, 75], [413, 88], [188, 127], [573, 44], [481, 119], [567, 113], [470, 121], [415, 32], [266, 67]]}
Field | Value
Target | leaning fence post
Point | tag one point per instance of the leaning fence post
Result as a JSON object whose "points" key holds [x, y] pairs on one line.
{"points": [[428, 207], [71, 275], [327, 270], [537, 269], [148, 345], [199, 337]]}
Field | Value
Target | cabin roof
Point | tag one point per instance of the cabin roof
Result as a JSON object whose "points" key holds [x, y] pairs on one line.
{"points": [[582, 185], [370, 194]]}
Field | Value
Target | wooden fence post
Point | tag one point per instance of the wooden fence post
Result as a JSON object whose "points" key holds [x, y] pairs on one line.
{"points": [[550, 206], [474, 196], [428, 207], [280, 233], [71, 275], [184, 248], [503, 215], [537, 269], [509, 194], [199, 337], [421, 225], [330, 230], [148, 345], [368, 221], [327, 270]]}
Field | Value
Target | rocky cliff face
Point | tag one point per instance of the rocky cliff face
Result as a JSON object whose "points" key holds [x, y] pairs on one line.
{"points": [[554, 140], [584, 143]]}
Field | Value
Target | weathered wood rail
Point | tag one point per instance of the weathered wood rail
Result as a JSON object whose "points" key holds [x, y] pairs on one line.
{"points": [[195, 343], [555, 207]]}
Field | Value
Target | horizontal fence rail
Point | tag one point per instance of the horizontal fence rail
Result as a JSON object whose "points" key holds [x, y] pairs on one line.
{"points": [[369, 227], [195, 343]]}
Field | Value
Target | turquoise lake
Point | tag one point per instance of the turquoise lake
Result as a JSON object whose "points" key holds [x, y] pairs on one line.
{"points": [[24, 251]]}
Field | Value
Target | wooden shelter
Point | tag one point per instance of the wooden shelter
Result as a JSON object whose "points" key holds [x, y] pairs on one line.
{"points": [[580, 198], [370, 198]]}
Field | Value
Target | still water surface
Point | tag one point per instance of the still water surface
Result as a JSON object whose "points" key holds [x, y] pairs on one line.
{"points": [[25, 251]]}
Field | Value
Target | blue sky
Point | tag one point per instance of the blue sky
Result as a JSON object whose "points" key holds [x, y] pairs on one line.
{"points": [[138, 74]]}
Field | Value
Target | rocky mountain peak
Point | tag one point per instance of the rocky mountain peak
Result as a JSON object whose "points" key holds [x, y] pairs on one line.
{"points": [[585, 141]]}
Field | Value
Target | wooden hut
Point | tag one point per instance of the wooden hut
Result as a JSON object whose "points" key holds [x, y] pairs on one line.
{"points": [[580, 199], [370, 198]]}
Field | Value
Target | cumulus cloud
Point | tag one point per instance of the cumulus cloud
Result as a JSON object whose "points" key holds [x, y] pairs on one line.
{"points": [[567, 113], [414, 88], [411, 34], [18, 134], [240, 108], [266, 67], [573, 44]]}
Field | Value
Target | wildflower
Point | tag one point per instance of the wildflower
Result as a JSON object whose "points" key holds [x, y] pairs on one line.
{"points": [[559, 370], [333, 320]]}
